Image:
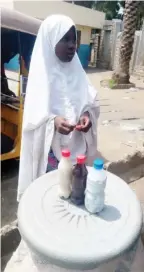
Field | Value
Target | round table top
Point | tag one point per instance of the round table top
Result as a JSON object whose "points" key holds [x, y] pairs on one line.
{"points": [[69, 236]]}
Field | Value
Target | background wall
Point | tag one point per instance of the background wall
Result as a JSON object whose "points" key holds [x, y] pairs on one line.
{"points": [[85, 33], [7, 4], [84, 49], [80, 15]]}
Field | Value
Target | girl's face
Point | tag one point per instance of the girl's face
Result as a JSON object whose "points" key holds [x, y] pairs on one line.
{"points": [[66, 47]]}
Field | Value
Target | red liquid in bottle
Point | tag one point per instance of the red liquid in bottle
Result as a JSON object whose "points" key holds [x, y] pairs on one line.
{"points": [[79, 181]]}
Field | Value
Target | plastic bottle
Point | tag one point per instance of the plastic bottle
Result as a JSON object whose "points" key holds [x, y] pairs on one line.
{"points": [[65, 174], [96, 182], [79, 181]]}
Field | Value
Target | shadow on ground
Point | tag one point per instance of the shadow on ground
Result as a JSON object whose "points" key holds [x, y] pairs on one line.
{"points": [[9, 169], [93, 70], [9, 179], [4, 261]]}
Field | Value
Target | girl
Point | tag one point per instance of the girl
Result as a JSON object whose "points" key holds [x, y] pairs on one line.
{"points": [[61, 108]]}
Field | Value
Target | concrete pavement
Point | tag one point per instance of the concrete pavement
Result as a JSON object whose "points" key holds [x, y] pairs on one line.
{"points": [[121, 122]]}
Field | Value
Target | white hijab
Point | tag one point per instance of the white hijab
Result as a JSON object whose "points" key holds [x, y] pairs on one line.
{"points": [[54, 89]]}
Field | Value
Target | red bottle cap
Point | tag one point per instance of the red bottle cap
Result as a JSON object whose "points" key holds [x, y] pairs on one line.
{"points": [[65, 153], [81, 159]]}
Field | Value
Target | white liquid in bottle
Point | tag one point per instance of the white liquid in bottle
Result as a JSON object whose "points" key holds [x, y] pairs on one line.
{"points": [[65, 174], [96, 182]]}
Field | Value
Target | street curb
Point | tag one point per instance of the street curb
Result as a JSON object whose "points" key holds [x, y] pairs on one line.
{"points": [[130, 169]]}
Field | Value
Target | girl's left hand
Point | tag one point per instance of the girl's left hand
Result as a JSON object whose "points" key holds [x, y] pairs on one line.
{"points": [[84, 123]]}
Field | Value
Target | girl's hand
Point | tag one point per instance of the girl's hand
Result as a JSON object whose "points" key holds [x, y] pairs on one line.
{"points": [[84, 123], [62, 125]]}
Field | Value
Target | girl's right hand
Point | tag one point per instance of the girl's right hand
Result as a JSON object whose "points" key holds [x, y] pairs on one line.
{"points": [[62, 125]]}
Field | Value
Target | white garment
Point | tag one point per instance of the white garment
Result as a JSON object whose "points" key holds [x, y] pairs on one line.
{"points": [[54, 89]]}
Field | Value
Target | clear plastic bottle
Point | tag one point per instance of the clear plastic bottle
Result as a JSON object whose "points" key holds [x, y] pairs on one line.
{"points": [[79, 181], [65, 174], [96, 182]]}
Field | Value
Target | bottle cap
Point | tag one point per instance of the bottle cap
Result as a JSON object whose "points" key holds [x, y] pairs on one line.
{"points": [[98, 164], [81, 159], [65, 153]]}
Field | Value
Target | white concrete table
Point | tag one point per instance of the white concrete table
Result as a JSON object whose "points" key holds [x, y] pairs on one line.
{"points": [[63, 237]]}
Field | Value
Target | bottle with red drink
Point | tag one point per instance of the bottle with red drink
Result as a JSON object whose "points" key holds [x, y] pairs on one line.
{"points": [[79, 177]]}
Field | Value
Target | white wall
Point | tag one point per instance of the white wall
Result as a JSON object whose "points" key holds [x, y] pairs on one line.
{"points": [[80, 15], [85, 34], [7, 4]]}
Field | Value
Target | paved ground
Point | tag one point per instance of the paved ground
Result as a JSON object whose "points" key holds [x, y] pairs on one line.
{"points": [[138, 187], [121, 123], [8, 201], [9, 172]]}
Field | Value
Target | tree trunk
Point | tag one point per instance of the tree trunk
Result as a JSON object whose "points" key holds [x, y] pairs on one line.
{"points": [[126, 48]]}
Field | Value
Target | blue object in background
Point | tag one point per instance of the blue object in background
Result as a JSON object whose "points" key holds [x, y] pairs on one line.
{"points": [[27, 44], [13, 64], [84, 53]]}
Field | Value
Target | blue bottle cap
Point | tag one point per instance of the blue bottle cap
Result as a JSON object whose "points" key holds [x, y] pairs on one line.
{"points": [[98, 164]]}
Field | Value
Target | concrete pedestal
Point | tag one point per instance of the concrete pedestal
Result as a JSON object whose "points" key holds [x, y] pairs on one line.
{"points": [[62, 237], [21, 261]]}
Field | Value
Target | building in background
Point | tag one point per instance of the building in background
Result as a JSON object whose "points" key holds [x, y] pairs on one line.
{"points": [[84, 18]]}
